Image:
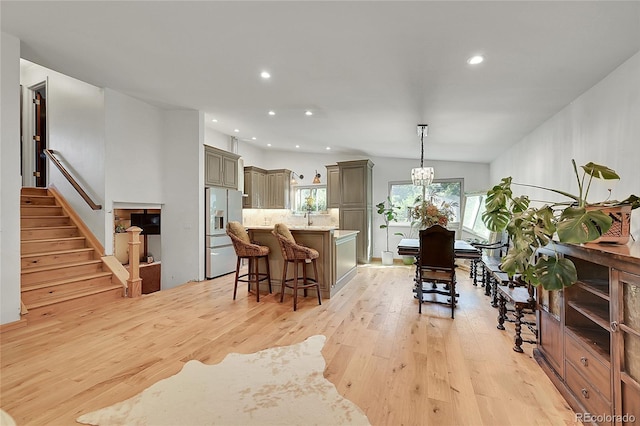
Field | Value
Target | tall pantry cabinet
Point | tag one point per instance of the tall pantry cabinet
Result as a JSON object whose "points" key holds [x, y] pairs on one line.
{"points": [[356, 203]]}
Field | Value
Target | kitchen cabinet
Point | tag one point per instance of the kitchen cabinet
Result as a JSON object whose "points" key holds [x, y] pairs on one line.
{"points": [[356, 203], [267, 189], [221, 168], [589, 333], [333, 186], [278, 189], [255, 187]]}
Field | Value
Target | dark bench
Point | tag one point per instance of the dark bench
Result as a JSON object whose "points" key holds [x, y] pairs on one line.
{"points": [[521, 300]]}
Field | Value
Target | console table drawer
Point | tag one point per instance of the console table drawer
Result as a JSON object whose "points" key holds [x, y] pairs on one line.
{"points": [[592, 368], [586, 394]]}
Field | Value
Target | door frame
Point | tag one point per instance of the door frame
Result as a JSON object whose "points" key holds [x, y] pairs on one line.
{"points": [[28, 131]]}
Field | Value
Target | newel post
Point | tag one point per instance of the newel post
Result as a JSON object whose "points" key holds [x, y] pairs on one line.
{"points": [[134, 282]]}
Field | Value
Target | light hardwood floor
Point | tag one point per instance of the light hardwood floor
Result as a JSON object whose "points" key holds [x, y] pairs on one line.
{"points": [[400, 367]]}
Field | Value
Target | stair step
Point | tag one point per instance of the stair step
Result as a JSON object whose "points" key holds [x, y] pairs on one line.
{"points": [[44, 233], [31, 277], [44, 221], [55, 244], [33, 260], [39, 293], [28, 211], [30, 190], [84, 301], [37, 200]]}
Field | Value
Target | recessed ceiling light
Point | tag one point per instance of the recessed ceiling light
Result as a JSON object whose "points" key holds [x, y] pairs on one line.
{"points": [[475, 60], [328, 148], [268, 144], [236, 130], [297, 146], [265, 75], [214, 120], [253, 138], [308, 113], [272, 113]]}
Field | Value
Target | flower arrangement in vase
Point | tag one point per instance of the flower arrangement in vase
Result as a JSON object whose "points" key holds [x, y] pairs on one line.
{"points": [[425, 214]]}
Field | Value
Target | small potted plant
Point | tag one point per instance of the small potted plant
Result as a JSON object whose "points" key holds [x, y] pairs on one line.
{"points": [[389, 214], [573, 221]]}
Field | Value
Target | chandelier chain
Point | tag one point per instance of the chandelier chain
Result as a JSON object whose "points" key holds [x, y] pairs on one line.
{"points": [[422, 148]]}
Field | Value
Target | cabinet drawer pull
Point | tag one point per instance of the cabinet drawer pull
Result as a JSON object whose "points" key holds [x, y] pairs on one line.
{"points": [[584, 361], [585, 393]]}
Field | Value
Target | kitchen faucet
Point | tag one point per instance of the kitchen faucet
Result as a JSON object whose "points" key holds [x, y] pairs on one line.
{"points": [[308, 216]]}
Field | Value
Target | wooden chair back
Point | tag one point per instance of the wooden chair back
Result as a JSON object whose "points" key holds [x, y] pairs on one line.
{"points": [[437, 248]]}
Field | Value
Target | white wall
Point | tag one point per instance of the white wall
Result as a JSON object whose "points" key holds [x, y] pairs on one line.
{"points": [[602, 125], [75, 128], [183, 192], [10, 182], [133, 157]]}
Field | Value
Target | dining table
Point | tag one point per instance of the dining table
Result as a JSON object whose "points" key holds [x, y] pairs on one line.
{"points": [[461, 249], [411, 247]]}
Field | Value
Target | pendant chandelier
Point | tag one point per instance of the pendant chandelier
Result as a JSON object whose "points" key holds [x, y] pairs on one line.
{"points": [[422, 176]]}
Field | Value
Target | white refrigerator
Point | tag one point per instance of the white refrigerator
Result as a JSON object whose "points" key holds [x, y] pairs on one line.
{"points": [[222, 206]]}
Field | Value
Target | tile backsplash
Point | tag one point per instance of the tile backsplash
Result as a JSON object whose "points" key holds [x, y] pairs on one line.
{"points": [[260, 217]]}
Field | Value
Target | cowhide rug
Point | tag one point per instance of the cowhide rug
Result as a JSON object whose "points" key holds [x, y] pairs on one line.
{"points": [[276, 386]]}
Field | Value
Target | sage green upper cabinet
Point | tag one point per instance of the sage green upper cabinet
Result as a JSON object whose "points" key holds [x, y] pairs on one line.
{"points": [[333, 186], [221, 168], [278, 189], [255, 187]]}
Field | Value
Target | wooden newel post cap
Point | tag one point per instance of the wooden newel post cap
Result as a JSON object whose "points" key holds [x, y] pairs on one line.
{"points": [[134, 229]]}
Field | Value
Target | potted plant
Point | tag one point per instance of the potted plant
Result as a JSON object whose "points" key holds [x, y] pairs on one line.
{"points": [[389, 214], [530, 228]]}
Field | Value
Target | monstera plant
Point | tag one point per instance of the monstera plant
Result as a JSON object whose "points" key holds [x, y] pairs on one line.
{"points": [[530, 228]]}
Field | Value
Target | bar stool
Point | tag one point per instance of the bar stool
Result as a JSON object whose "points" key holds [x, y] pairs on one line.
{"points": [[298, 255], [245, 249]]}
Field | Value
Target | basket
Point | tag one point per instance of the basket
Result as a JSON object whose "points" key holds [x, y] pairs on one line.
{"points": [[620, 227]]}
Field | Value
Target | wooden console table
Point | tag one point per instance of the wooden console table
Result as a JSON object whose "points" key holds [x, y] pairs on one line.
{"points": [[589, 334]]}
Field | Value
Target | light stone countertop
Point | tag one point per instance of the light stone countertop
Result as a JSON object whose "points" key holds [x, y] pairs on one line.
{"points": [[343, 233], [295, 227]]}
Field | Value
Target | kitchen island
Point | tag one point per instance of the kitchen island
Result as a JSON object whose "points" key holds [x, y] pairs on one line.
{"points": [[337, 247]]}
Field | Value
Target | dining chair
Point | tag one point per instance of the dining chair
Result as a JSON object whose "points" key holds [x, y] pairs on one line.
{"points": [[436, 267]]}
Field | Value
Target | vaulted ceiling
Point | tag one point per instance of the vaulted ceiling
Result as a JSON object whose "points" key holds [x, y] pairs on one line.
{"points": [[369, 72]]}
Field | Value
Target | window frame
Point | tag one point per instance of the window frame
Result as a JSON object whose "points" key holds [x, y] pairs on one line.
{"points": [[294, 196], [457, 225]]}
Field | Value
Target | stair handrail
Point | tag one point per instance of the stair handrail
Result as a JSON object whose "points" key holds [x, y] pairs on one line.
{"points": [[50, 155]]}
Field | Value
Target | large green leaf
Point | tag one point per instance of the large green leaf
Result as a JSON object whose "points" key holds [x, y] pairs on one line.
{"points": [[496, 220], [499, 195], [520, 204], [577, 225], [555, 273], [516, 260], [599, 171]]}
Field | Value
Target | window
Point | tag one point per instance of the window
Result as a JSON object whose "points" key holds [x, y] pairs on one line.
{"points": [[404, 194], [318, 200], [474, 207]]}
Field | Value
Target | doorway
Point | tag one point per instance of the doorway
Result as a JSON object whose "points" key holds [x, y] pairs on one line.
{"points": [[34, 140]]}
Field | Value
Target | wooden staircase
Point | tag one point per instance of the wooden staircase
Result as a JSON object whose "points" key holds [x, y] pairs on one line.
{"points": [[60, 269]]}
